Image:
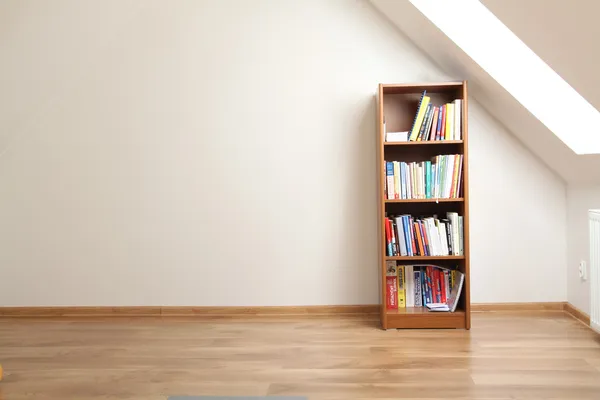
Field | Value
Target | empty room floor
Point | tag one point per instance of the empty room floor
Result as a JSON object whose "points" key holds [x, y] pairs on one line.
{"points": [[518, 355]]}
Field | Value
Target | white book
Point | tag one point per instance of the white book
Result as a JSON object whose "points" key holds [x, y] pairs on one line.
{"points": [[401, 237], [457, 119], [444, 238], [392, 137], [453, 217], [410, 286], [434, 236]]}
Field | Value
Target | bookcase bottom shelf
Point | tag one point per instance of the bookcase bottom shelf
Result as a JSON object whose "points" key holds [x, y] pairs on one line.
{"points": [[421, 318]]}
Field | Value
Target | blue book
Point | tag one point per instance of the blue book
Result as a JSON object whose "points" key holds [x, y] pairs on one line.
{"points": [[402, 181], [424, 284], [438, 131], [407, 235], [389, 172], [418, 293]]}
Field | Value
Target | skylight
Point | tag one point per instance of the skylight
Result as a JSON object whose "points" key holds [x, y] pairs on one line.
{"points": [[485, 39]]}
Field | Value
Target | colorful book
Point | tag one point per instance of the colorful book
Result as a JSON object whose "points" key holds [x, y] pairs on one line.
{"points": [[434, 124], [443, 129], [391, 286], [390, 179], [401, 237], [388, 237]]}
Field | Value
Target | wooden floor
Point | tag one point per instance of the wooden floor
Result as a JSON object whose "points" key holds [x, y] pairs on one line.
{"points": [[544, 355]]}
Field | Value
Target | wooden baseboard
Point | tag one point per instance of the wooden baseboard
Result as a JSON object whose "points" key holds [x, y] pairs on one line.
{"points": [[183, 311], [550, 306], [190, 311], [577, 314]]}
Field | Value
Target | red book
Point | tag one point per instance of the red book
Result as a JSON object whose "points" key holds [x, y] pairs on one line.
{"points": [[438, 285], [443, 130], [388, 237], [391, 292], [443, 285], [425, 238], [413, 236]]}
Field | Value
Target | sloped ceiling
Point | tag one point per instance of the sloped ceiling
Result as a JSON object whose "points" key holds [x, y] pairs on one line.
{"points": [[571, 55]]}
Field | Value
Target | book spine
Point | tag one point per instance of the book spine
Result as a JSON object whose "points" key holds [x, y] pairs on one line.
{"points": [[421, 252], [401, 237], [438, 286], [428, 179], [418, 288], [390, 180], [410, 285], [393, 234], [426, 247], [429, 285], [419, 117], [429, 123], [388, 238], [434, 124], [449, 120], [391, 292], [407, 235], [424, 124], [446, 283], [448, 228], [458, 182], [461, 237], [396, 165], [401, 287], [457, 119], [454, 190], [402, 181], [438, 131], [443, 128]]}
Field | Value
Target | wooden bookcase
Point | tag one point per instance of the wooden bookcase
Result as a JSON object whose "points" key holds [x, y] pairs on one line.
{"points": [[398, 105]]}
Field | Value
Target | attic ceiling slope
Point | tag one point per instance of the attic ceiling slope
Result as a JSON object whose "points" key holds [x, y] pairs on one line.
{"points": [[491, 95]]}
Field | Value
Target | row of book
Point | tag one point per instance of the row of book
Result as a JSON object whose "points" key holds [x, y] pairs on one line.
{"points": [[429, 236], [435, 287], [439, 178], [437, 122]]}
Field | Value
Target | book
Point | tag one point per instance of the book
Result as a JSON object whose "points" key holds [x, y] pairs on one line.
{"points": [[426, 118], [388, 237], [434, 124], [457, 119], [390, 180], [443, 128], [400, 270], [449, 121], [396, 179], [423, 103], [418, 290], [410, 285], [395, 137], [391, 286], [401, 237]]}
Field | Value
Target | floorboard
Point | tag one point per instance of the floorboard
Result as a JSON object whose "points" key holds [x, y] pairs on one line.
{"points": [[506, 355]]}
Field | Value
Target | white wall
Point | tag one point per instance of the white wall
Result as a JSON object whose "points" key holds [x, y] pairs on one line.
{"points": [[223, 153], [580, 199]]}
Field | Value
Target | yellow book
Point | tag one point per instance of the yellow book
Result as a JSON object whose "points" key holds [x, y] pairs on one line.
{"points": [[449, 121], [397, 179], [401, 286], [456, 175], [419, 119]]}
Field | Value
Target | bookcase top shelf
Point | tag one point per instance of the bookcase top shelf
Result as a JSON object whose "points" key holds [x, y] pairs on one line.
{"points": [[419, 87]]}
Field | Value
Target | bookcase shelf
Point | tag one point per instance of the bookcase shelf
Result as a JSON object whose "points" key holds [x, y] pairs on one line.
{"points": [[424, 258], [397, 107], [456, 200], [425, 143]]}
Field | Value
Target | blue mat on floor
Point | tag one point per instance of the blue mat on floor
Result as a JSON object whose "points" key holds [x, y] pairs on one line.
{"points": [[235, 398]]}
